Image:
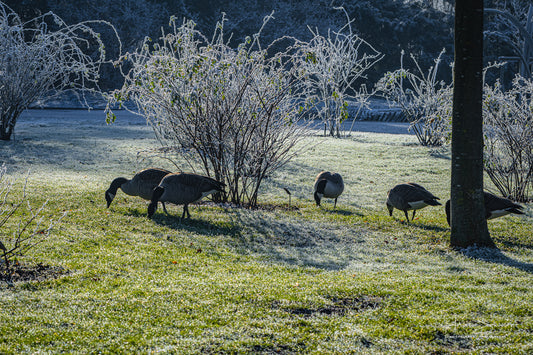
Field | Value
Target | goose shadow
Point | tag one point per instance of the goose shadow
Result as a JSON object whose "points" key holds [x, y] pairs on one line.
{"points": [[174, 221], [430, 227], [196, 225], [496, 256], [342, 212]]}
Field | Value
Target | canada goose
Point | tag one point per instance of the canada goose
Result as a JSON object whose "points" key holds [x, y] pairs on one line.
{"points": [[183, 189], [140, 185], [494, 207], [328, 185], [410, 196]]}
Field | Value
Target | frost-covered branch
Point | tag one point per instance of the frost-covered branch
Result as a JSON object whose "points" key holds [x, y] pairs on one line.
{"points": [[425, 101], [43, 57], [508, 130], [334, 63], [514, 27], [28, 231], [231, 113]]}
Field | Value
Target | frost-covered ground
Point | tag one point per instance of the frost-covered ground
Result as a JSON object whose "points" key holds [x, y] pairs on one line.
{"points": [[77, 147], [80, 140], [48, 117]]}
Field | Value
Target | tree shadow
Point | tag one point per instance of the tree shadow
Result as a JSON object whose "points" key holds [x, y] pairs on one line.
{"points": [[496, 256], [274, 237], [515, 245], [281, 239]]}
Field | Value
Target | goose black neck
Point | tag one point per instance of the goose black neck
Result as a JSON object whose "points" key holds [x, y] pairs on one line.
{"points": [[115, 184]]}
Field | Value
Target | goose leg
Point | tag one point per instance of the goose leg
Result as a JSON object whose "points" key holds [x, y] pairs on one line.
{"points": [[165, 209], [317, 199], [406, 215], [335, 204], [413, 218], [186, 211]]}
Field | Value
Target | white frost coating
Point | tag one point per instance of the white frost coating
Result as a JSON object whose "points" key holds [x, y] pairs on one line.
{"points": [[425, 101], [333, 64], [38, 60]]}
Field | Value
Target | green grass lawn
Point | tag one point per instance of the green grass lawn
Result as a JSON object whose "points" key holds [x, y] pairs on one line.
{"points": [[273, 280]]}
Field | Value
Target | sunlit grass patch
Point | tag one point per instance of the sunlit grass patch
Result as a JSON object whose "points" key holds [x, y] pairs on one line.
{"points": [[279, 278]]}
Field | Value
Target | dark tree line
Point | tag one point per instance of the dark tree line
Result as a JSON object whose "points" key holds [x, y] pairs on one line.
{"points": [[389, 25]]}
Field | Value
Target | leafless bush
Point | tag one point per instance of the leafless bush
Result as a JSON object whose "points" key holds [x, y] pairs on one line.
{"points": [[42, 57], [232, 112], [28, 230], [508, 130], [334, 64], [425, 101]]}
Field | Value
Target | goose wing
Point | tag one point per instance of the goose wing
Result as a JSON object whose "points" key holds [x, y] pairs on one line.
{"points": [[497, 206], [407, 196], [144, 182], [423, 188], [154, 175]]}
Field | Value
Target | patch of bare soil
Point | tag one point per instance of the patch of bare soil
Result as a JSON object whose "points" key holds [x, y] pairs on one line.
{"points": [[24, 273], [339, 306]]}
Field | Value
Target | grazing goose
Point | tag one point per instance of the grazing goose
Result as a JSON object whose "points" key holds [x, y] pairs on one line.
{"points": [[329, 185], [140, 185], [410, 196], [183, 189], [494, 207]]}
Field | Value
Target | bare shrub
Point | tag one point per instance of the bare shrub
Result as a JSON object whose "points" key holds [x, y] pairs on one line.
{"points": [[424, 100], [40, 58], [26, 223], [508, 130], [334, 64], [232, 113]]}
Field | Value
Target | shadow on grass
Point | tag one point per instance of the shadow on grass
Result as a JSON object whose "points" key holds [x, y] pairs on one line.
{"points": [[196, 225], [342, 212], [430, 227], [280, 238], [273, 236], [496, 256], [515, 245]]}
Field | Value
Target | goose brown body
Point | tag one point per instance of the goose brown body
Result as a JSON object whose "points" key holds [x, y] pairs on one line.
{"points": [[495, 207], [183, 189], [141, 184], [410, 196], [329, 185]]}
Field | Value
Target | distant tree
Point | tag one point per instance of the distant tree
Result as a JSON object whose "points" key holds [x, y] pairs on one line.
{"points": [[40, 58], [132, 19], [393, 26], [513, 27], [28, 9], [468, 223]]}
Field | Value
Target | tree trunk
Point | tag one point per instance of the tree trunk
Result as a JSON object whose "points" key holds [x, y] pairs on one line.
{"points": [[7, 124], [468, 223]]}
